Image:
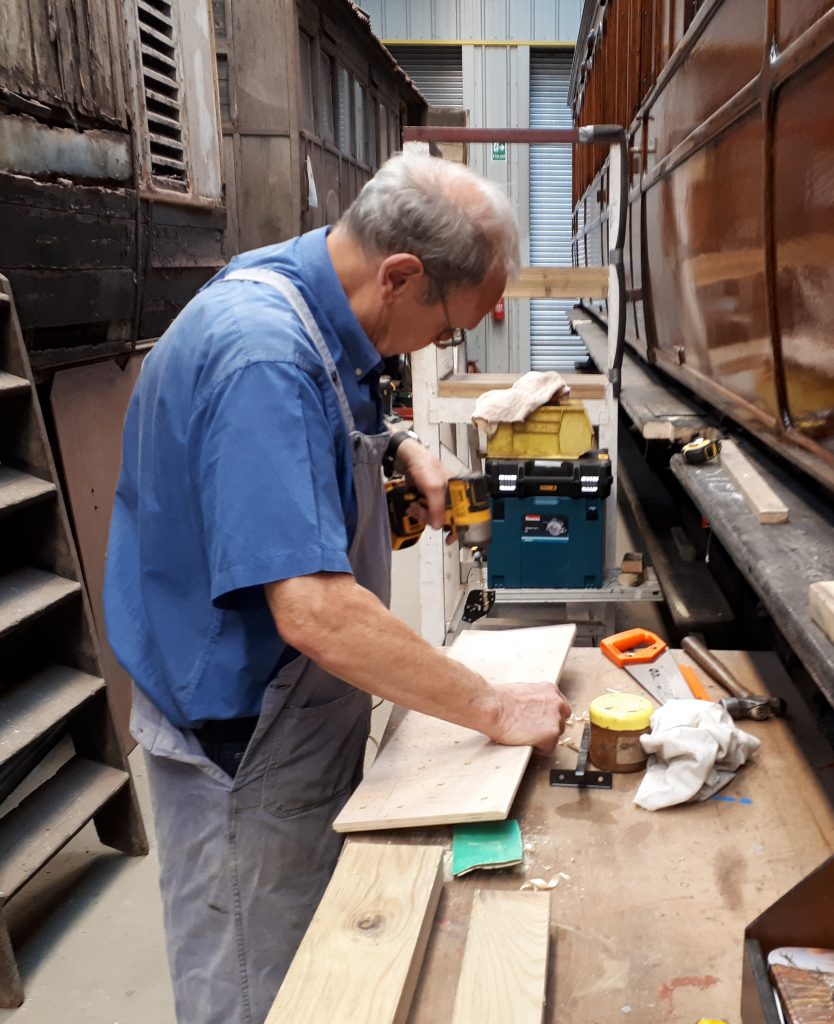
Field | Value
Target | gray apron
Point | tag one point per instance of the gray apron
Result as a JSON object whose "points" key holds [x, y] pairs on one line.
{"points": [[245, 861]]}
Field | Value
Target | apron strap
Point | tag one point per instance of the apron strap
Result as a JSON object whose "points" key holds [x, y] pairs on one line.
{"points": [[289, 291]]}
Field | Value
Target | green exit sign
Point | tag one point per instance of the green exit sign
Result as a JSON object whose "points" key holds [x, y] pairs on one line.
{"points": [[499, 151]]}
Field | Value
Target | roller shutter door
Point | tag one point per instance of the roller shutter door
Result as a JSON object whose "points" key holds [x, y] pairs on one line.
{"points": [[437, 70], [552, 346]]}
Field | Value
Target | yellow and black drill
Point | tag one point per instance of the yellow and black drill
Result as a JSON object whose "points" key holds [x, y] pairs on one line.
{"points": [[468, 515]]}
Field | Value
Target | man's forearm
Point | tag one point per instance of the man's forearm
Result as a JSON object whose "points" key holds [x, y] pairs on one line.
{"points": [[349, 632]]}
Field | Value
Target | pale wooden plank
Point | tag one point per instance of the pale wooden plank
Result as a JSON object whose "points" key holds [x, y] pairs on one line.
{"points": [[821, 606], [505, 961], [586, 386], [559, 283], [361, 955], [430, 772], [759, 494]]}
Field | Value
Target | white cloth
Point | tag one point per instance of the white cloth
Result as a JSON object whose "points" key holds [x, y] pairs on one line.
{"points": [[694, 750], [514, 405]]}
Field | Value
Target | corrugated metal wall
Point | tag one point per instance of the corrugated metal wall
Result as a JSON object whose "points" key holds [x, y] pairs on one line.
{"points": [[535, 20], [437, 70], [552, 346]]}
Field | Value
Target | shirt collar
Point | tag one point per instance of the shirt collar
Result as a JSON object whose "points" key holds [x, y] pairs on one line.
{"points": [[325, 286]]}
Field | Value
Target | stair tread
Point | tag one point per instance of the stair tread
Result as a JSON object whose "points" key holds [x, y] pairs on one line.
{"points": [[26, 593], [10, 384], [47, 819], [18, 489], [30, 708]]}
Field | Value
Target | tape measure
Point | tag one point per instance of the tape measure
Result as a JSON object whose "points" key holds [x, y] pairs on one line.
{"points": [[701, 450]]}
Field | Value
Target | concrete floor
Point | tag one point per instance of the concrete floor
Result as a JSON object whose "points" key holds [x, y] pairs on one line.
{"points": [[88, 928]]}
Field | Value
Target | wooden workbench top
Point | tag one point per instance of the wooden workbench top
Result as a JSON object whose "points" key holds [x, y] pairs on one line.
{"points": [[648, 926]]}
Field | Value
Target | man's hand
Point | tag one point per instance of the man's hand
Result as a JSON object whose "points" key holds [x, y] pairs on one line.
{"points": [[532, 714], [423, 471]]}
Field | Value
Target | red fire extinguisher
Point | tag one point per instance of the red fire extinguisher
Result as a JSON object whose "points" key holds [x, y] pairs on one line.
{"points": [[498, 310]]}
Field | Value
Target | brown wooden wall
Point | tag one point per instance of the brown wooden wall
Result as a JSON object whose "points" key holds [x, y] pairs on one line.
{"points": [[730, 249], [286, 70], [68, 55]]}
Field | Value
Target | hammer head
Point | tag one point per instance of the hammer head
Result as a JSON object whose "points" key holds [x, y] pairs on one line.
{"points": [[757, 708]]}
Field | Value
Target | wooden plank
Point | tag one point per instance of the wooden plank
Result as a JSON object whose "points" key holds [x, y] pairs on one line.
{"points": [[361, 956], [47, 819], [32, 707], [585, 386], [430, 772], [505, 961], [27, 593], [18, 489], [821, 606], [759, 494], [559, 283]]}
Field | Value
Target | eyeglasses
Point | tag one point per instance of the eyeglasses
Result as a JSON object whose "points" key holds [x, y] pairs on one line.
{"points": [[451, 337]]}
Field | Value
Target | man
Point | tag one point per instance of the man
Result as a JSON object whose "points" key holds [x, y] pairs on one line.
{"points": [[249, 560]]}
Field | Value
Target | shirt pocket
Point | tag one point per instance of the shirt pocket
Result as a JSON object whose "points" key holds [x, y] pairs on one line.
{"points": [[317, 755]]}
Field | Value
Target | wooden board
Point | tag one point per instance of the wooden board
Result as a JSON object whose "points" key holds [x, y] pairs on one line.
{"points": [[585, 386], [361, 955], [821, 606], [761, 497], [652, 911], [559, 283], [505, 961], [431, 772]]}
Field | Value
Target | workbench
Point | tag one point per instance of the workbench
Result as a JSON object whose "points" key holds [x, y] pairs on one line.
{"points": [[648, 924]]}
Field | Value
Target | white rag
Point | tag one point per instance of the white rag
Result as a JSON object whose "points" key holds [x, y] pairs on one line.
{"points": [[514, 405], [695, 749]]}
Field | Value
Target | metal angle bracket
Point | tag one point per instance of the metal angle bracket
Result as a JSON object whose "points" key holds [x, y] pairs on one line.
{"points": [[580, 777], [587, 780]]}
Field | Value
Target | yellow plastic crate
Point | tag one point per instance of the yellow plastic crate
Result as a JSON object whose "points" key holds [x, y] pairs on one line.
{"points": [[551, 432]]}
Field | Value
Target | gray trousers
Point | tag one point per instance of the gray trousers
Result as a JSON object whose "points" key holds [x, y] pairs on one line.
{"points": [[244, 862]]}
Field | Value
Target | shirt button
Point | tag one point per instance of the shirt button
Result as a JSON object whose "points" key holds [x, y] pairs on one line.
{"points": [[357, 372]]}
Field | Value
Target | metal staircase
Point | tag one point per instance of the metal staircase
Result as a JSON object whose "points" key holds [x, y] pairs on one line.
{"points": [[53, 701]]}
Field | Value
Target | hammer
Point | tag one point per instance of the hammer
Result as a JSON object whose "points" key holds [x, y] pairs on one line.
{"points": [[740, 703]]}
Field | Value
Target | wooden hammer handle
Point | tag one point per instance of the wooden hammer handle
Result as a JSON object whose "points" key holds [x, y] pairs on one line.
{"points": [[709, 663]]}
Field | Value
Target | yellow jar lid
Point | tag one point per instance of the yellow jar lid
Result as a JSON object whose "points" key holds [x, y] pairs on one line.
{"points": [[621, 711]]}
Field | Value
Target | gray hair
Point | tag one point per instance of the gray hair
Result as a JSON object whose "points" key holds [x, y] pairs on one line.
{"points": [[459, 225]]}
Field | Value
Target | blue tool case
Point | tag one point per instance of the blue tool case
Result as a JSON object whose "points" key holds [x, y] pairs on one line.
{"points": [[548, 528]]}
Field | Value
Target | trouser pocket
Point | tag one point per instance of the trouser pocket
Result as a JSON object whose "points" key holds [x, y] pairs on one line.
{"points": [[317, 754]]}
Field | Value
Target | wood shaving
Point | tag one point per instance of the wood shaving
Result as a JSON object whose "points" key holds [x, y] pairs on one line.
{"points": [[539, 884]]}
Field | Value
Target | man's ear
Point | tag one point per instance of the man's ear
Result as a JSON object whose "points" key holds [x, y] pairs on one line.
{"points": [[399, 273]]}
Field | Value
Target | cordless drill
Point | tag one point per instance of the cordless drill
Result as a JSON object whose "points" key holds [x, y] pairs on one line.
{"points": [[467, 512]]}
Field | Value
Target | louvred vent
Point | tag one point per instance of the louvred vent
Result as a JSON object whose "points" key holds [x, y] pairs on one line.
{"points": [[160, 77]]}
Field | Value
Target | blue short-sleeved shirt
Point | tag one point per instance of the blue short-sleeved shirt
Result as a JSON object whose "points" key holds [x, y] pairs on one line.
{"points": [[236, 472]]}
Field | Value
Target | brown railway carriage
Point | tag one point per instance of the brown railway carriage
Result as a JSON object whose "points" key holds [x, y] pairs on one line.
{"points": [[729, 106]]}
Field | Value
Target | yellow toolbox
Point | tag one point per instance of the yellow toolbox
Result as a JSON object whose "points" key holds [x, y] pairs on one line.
{"points": [[551, 432]]}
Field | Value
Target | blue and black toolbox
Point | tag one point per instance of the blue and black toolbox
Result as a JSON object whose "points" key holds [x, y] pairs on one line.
{"points": [[548, 528]]}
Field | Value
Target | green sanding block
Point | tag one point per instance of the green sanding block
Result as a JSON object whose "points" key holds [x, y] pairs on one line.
{"points": [[486, 844]]}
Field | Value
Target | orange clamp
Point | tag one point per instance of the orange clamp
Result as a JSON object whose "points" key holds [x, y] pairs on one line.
{"points": [[632, 647]]}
